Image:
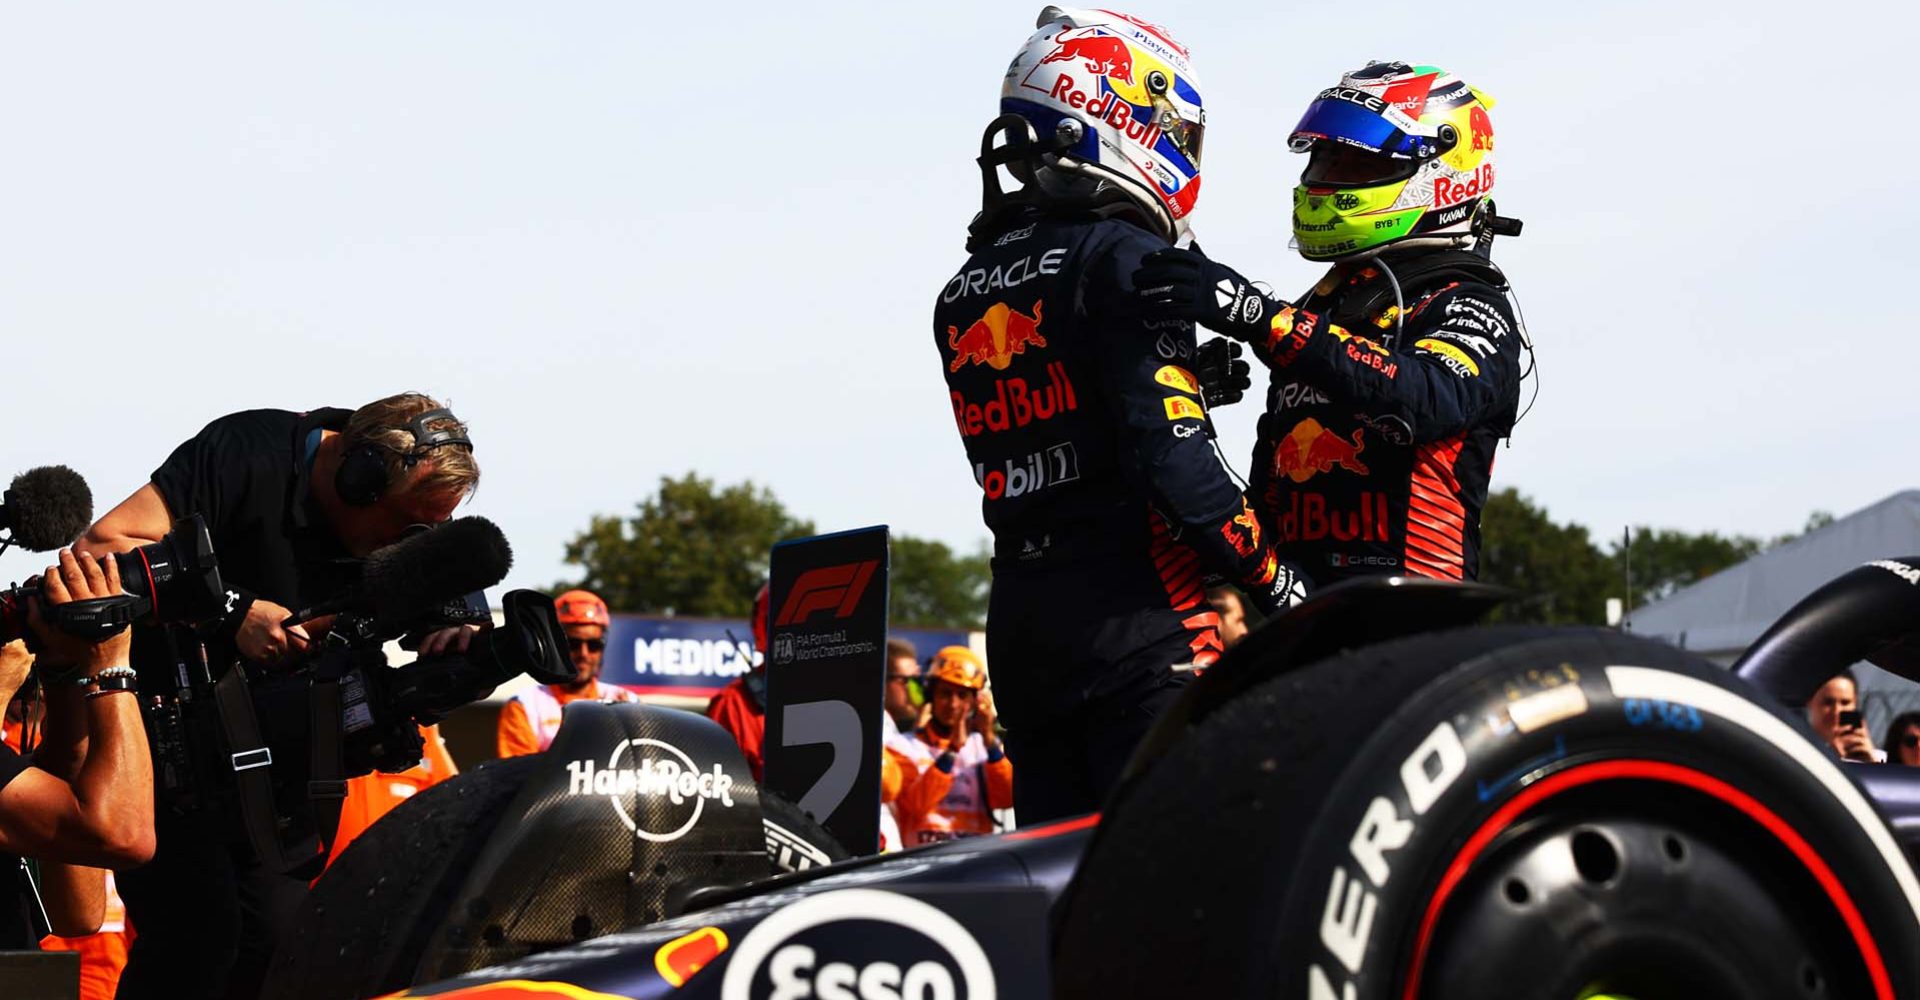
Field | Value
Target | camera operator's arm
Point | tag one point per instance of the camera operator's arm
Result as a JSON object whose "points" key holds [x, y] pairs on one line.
{"points": [[140, 519], [144, 518], [104, 818], [75, 895]]}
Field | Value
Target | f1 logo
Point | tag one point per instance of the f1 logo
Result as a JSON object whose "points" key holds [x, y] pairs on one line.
{"points": [[829, 588]]}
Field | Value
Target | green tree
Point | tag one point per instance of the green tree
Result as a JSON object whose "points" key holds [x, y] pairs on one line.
{"points": [[1664, 560], [690, 549], [934, 587], [1558, 575], [696, 549]]}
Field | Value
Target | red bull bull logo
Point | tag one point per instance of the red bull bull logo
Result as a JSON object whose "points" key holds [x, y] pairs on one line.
{"points": [[995, 337], [1310, 449], [516, 989], [680, 958], [1480, 127], [1243, 532], [1106, 55]]}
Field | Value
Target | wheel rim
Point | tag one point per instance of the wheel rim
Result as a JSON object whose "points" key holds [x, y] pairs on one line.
{"points": [[1641, 879]]}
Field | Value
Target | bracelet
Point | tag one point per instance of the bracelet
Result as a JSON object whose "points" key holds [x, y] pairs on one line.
{"points": [[103, 692], [120, 671]]}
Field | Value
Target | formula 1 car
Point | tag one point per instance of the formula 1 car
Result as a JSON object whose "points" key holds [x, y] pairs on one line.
{"points": [[1367, 798]]}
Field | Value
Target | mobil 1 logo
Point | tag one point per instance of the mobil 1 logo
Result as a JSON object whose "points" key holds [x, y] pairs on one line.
{"points": [[923, 943]]}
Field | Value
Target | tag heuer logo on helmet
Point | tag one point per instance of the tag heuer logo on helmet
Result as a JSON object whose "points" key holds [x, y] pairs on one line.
{"points": [[646, 773], [891, 945]]}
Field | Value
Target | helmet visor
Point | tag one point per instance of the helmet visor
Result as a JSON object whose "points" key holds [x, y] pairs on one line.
{"points": [[1354, 124], [1334, 164]]}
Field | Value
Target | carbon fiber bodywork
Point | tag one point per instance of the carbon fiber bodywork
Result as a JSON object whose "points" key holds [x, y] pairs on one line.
{"points": [[649, 806]]}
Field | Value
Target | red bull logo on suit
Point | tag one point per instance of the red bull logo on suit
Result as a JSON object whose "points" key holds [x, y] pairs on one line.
{"points": [[995, 337]]}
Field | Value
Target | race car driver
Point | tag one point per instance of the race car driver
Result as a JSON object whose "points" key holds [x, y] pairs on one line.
{"points": [[1393, 380], [1082, 419], [529, 721], [954, 770]]}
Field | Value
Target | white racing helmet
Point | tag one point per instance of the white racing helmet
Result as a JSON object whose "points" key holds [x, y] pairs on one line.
{"points": [[1113, 108]]}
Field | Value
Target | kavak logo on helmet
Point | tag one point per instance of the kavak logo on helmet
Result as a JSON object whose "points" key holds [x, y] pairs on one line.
{"points": [[655, 770], [859, 943]]}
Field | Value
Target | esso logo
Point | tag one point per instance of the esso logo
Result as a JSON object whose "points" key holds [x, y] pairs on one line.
{"points": [[827, 947]]}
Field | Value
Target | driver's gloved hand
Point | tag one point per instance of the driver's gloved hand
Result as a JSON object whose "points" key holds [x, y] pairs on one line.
{"points": [[1186, 284], [1224, 378]]}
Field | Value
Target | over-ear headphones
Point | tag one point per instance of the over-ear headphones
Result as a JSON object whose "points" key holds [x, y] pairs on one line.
{"points": [[362, 477]]}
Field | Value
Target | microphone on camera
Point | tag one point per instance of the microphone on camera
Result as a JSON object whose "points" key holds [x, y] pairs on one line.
{"points": [[415, 576], [45, 508]]}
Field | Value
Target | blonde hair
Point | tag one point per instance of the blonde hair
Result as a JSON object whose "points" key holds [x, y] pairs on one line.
{"points": [[445, 471]]}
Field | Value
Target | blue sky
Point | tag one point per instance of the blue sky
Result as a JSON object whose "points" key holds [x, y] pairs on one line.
{"points": [[632, 241]]}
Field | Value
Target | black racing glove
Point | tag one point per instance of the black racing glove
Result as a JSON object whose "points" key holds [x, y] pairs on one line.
{"points": [[1224, 378], [1289, 587], [1186, 284]]}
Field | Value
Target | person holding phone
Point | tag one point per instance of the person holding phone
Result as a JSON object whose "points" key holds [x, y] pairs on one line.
{"points": [[1834, 715]]}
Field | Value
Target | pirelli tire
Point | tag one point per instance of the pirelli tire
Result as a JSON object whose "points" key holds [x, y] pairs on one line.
{"points": [[366, 922], [1540, 813], [364, 927]]}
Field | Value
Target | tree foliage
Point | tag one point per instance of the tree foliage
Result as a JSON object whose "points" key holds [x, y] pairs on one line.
{"points": [[690, 549], [695, 548], [932, 586], [1557, 574], [1562, 577]]}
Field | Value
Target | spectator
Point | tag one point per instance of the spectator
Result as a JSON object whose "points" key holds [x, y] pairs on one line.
{"points": [[904, 704], [528, 722], [956, 772], [1903, 739], [741, 707], [371, 796], [1837, 697], [1232, 608], [903, 698]]}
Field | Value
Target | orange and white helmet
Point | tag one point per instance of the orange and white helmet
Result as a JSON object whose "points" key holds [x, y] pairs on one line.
{"points": [[959, 666], [1112, 100], [581, 607]]}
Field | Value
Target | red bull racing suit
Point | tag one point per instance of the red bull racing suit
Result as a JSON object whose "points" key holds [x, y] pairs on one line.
{"points": [[1378, 440], [1084, 426]]}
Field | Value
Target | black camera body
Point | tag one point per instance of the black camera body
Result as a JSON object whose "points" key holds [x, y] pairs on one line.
{"points": [[173, 580], [382, 707]]}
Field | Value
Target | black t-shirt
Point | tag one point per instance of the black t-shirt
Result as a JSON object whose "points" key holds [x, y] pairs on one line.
{"points": [[15, 929], [247, 474]]}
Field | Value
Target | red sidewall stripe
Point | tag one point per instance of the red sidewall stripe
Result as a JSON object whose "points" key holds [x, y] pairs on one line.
{"points": [[1648, 770]]}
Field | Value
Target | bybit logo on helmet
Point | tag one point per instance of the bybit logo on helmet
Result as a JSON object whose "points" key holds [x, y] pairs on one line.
{"points": [[668, 773]]}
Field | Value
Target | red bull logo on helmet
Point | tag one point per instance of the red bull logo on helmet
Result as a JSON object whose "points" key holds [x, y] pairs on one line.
{"points": [[995, 337], [1448, 191], [1310, 449], [1480, 127], [1105, 54]]}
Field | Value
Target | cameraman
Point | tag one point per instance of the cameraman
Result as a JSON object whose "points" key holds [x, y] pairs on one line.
{"points": [[85, 800], [293, 501]]}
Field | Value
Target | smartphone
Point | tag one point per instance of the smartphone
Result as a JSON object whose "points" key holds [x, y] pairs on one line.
{"points": [[1851, 719]]}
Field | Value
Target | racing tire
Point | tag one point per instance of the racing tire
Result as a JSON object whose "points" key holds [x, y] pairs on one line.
{"points": [[1506, 812], [366, 922], [796, 842]]}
